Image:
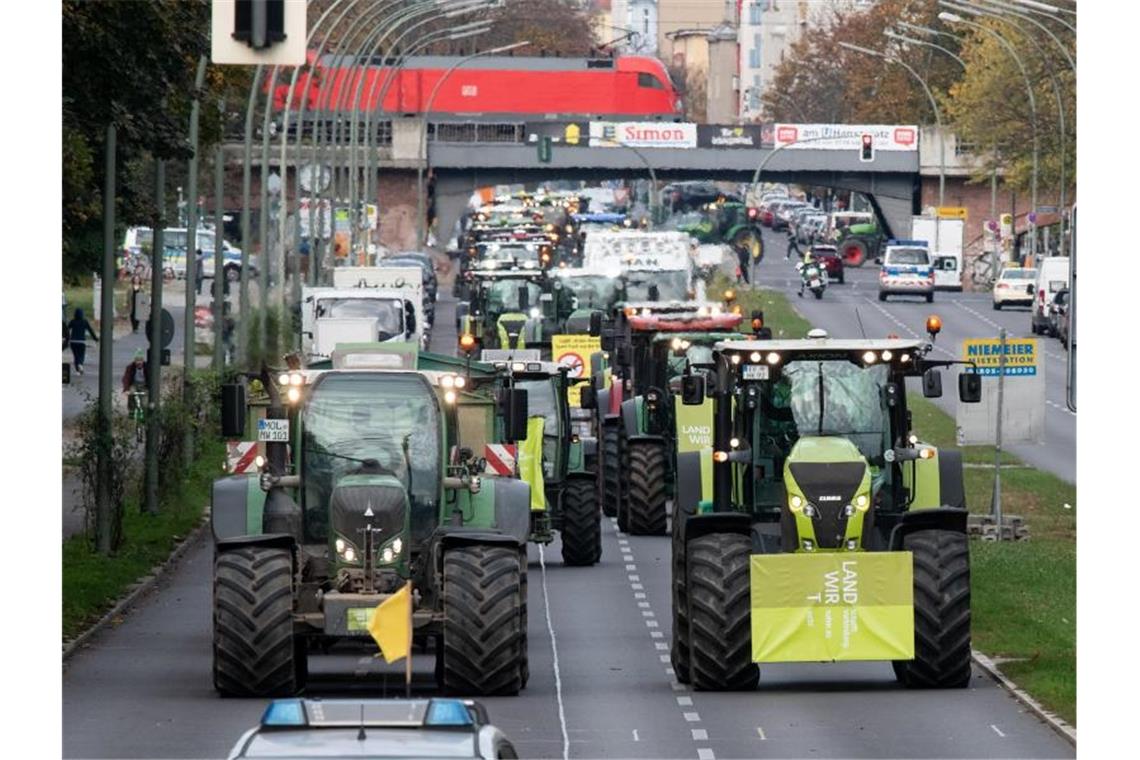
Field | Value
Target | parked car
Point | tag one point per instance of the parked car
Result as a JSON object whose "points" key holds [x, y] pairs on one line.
{"points": [[1059, 315], [828, 257], [767, 208], [1052, 276], [1013, 287], [811, 226], [784, 213]]}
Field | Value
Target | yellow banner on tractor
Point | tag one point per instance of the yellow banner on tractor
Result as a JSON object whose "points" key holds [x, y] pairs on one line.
{"points": [[530, 462], [573, 352], [391, 624], [832, 606], [694, 425]]}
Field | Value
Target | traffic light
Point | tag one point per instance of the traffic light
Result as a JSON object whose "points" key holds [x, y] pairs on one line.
{"points": [[259, 23], [867, 147], [545, 149]]}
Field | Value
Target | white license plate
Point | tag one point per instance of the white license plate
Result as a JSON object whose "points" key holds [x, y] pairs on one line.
{"points": [[755, 372], [276, 431], [815, 283]]}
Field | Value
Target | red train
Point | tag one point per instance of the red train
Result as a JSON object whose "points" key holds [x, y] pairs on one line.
{"points": [[626, 87]]}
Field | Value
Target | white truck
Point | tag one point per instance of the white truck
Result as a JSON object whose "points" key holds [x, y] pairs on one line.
{"points": [[365, 304], [946, 238]]}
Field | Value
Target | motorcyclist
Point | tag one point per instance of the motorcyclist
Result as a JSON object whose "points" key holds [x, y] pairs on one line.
{"points": [[806, 267]]}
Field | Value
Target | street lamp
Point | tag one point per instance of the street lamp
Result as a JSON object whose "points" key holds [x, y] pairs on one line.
{"points": [[924, 43], [956, 19], [933, 104], [421, 233]]}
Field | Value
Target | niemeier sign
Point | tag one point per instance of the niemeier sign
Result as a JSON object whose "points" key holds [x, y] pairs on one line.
{"points": [[642, 134], [1020, 355], [846, 136]]}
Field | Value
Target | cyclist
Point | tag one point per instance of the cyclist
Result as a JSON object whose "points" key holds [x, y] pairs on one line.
{"points": [[136, 376]]}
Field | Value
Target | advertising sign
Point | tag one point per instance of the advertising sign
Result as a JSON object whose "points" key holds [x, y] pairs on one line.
{"points": [[894, 137], [739, 136], [561, 133], [826, 607], [1020, 355], [573, 352], [1023, 404], [694, 425], [642, 134]]}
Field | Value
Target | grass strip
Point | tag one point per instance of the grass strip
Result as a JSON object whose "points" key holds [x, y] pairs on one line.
{"points": [[92, 582], [1024, 595]]}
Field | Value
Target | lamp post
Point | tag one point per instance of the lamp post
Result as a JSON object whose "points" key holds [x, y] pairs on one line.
{"points": [[421, 234], [956, 19], [933, 104], [912, 41]]}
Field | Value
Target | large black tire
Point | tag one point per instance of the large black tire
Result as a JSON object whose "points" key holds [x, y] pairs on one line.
{"points": [[611, 471], [645, 502], [484, 643], [854, 252], [720, 632], [623, 478], [255, 652], [524, 595], [581, 524], [679, 652], [941, 611]]}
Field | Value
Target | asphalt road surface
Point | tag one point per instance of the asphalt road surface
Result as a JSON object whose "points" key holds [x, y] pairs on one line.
{"points": [[964, 315], [600, 685]]}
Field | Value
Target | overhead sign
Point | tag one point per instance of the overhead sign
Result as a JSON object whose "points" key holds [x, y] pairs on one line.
{"points": [[825, 607], [642, 134], [893, 137], [573, 352], [951, 212], [1020, 355], [229, 30], [273, 431], [739, 136]]}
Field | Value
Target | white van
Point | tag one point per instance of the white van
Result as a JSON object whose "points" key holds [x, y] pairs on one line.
{"points": [[1052, 275]]}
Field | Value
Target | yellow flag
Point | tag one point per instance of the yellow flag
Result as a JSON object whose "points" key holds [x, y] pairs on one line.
{"points": [[391, 624], [530, 462]]}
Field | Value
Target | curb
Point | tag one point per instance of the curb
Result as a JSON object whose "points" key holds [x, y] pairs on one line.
{"points": [[1054, 721], [143, 586]]}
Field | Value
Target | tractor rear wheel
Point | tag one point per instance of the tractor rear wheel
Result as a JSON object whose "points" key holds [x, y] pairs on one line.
{"points": [[853, 252], [720, 632], [645, 500], [623, 474], [524, 597], [484, 643], [611, 471], [941, 611], [679, 653], [255, 652], [581, 524]]}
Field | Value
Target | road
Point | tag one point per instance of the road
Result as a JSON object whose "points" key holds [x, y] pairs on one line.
{"points": [[848, 308], [600, 685]]}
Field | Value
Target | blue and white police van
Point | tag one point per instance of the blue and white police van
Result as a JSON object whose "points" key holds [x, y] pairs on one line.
{"points": [[907, 270]]}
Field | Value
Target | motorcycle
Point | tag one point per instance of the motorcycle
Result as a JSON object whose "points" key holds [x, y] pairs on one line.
{"points": [[813, 277]]}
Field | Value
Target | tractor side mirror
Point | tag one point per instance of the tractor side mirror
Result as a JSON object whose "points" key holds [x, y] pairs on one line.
{"points": [[589, 398], [515, 414], [693, 390], [409, 319], [969, 388], [524, 299], [932, 384], [595, 324], [233, 410]]}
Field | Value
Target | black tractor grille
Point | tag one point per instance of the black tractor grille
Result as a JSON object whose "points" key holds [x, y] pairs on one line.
{"points": [[349, 503], [829, 487]]}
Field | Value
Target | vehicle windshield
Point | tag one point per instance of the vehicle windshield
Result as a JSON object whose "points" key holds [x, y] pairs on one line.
{"points": [[908, 257], [836, 397], [595, 291], [1019, 274], [503, 295], [388, 312], [686, 219], [370, 416], [519, 253], [695, 354], [671, 285]]}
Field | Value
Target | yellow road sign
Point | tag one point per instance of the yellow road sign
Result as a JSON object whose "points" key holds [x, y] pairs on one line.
{"points": [[951, 212]]}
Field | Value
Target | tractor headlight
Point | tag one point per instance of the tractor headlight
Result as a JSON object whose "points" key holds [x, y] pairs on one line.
{"points": [[773, 358], [849, 510], [735, 359], [887, 356], [294, 394], [398, 545], [755, 357], [796, 502], [734, 443], [535, 312], [340, 546], [449, 397], [913, 439], [349, 555], [283, 379], [447, 381], [676, 344], [862, 502], [259, 462], [387, 555], [809, 510], [296, 379], [460, 382], [869, 357]]}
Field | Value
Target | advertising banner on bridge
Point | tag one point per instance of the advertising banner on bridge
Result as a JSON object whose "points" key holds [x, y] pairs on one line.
{"points": [[575, 133], [894, 137], [738, 136], [642, 134], [825, 607]]}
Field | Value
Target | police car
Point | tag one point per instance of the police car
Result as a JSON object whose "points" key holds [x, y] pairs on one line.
{"points": [[374, 728], [907, 270]]}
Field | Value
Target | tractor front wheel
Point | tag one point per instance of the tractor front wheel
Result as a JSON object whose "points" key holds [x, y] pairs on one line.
{"points": [[679, 653], [581, 524], [484, 643], [645, 501], [255, 652], [941, 611], [611, 471], [720, 623], [623, 471]]}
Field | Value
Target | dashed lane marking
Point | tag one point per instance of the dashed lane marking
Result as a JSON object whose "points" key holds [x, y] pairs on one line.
{"points": [[705, 753], [631, 567], [647, 613], [643, 605], [635, 736], [760, 731], [657, 634], [634, 578], [554, 653], [685, 701], [664, 658], [700, 734], [692, 717], [661, 646], [997, 730]]}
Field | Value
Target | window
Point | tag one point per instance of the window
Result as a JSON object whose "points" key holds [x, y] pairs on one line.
{"points": [[963, 148], [754, 58], [754, 12], [648, 80], [645, 20]]}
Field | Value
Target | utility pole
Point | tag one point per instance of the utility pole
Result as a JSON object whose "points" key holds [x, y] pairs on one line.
{"points": [[996, 507], [191, 259], [219, 262], [104, 508], [154, 359]]}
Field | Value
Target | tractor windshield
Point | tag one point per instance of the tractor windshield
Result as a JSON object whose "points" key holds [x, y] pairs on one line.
{"points": [[671, 285], [388, 312], [836, 397], [541, 402], [371, 416], [596, 291], [504, 296]]}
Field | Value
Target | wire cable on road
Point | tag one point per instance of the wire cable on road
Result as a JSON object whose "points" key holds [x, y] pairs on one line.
{"points": [[554, 655]]}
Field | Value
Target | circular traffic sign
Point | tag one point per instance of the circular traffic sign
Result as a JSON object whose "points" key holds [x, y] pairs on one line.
{"points": [[573, 363]]}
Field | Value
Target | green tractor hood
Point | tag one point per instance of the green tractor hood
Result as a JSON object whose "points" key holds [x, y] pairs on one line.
{"points": [[829, 493], [377, 500]]}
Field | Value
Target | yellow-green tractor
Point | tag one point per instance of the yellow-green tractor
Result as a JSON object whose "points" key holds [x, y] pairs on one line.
{"points": [[819, 527]]}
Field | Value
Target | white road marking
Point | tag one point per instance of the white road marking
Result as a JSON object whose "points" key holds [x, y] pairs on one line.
{"points": [[685, 701], [663, 658], [634, 578], [699, 734], [643, 604], [760, 730], [636, 586], [627, 558], [693, 717], [705, 754], [647, 613], [997, 730], [657, 634], [635, 736], [639, 595], [670, 672], [650, 623], [661, 645], [631, 567], [554, 652], [677, 686]]}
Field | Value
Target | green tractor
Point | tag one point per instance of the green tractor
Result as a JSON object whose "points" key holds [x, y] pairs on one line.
{"points": [[512, 309], [819, 527], [366, 485], [563, 494], [727, 223], [856, 235]]}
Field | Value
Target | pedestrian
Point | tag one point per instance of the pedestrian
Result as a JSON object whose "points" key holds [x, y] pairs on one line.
{"points": [[78, 329], [199, 257], [136, 296], [793, 245]]}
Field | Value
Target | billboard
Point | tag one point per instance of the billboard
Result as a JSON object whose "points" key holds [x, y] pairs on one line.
{"points": [[738, 136], [642, 134], [894, 137]]}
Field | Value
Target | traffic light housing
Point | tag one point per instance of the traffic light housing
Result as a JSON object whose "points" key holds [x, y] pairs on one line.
{"points": [[545, 148], [259, 23], [867, 147]]}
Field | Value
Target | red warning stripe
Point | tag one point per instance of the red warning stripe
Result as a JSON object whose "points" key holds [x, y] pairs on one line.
{"points": [[501, 458]]}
